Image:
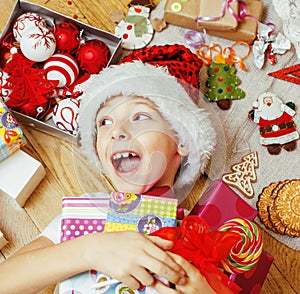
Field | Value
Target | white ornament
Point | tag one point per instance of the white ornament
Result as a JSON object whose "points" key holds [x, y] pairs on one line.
{"points": [[25, 22], [4, 93], [38, 44], [62, 67], [65, 115]]}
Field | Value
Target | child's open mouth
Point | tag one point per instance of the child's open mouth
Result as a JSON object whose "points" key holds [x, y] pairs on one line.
{"points": [[125, 161]]}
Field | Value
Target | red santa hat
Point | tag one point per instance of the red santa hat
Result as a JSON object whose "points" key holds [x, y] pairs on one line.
{"points": [[192, 124]]}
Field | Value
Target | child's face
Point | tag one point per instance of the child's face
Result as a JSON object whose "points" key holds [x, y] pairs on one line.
{"points": [[136, 146]]}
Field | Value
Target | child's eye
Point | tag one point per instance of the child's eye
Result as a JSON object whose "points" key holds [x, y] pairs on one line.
{"points": [[105, 122], [141, 116]]}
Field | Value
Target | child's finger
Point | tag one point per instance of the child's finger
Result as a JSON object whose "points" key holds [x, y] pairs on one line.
{"points": [[162, 243], [161, 288], [162, 264]]}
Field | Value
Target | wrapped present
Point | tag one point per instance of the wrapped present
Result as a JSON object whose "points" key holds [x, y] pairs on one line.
{"points": [[11, 135], [83, 215], [220, 203], [224, 256], [247, 29], [184, 14], [210, 14], [20, 175], [119, 211], [141, 213], [252, 281]]}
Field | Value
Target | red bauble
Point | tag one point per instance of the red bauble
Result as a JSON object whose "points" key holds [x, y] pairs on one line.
{"points": [[67, 37], [93, 56]]}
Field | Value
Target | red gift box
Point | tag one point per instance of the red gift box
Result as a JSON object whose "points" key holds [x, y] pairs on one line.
{"points": [[219, 203], [252, 280]]}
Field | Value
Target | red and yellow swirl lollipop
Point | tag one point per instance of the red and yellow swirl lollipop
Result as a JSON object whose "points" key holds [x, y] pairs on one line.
{"points": [[246, 253]]}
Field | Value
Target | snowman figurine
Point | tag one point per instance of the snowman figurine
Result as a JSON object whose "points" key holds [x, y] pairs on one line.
{"points": [[135, 29]]}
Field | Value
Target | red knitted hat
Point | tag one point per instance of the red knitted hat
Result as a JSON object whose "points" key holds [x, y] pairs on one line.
{"points": [[180, 61]]}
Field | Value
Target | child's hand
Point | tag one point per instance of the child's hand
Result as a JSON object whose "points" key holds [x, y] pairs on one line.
{"points": [[195, 282], [132, 258]]}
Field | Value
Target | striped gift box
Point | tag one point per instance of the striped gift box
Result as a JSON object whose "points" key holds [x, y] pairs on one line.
{"points": [[83, 215]]}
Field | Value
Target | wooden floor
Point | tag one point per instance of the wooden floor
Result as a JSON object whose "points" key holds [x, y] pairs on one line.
{"points": [[21, 225]]}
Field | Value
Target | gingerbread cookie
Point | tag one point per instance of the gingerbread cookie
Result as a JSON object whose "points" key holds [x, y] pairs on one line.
{"points": [[265, 200], [287, 204], [279, 207], [243, 174], [277, 226]]}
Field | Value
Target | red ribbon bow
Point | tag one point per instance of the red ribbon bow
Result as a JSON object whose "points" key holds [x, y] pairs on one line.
{"points": [[204, 248]]}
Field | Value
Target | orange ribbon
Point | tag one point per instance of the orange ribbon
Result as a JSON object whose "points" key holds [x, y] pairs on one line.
{"points": [[227, 55]]}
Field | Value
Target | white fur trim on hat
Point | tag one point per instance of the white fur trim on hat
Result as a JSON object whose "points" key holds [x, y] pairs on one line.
{"points": [[192, 124]]}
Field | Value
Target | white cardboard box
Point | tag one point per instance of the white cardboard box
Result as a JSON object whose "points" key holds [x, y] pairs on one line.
{"points": [[20, 174]]}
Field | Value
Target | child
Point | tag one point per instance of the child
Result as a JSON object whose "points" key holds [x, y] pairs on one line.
{"points": [[146, 137]]}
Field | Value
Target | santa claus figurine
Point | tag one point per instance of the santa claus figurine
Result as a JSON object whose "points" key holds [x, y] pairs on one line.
{"points": [[275, 120]]}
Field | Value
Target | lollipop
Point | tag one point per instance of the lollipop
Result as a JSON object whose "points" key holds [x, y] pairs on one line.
{"points": [[246, 253]]}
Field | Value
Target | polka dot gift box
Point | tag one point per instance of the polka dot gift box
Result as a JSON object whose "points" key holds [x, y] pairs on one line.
{"points": [[83, 215], [220, 204]]}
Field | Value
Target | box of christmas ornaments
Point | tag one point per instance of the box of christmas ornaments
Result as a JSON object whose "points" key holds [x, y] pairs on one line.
{"points": [[43, 56]]}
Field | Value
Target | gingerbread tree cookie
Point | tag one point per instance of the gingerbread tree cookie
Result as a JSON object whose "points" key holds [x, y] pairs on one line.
{"points": [[243, 174]]}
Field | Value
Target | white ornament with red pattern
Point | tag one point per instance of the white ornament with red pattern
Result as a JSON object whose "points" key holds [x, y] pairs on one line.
{"points": [[38, 44], [4, 93], [62, 67], [65, 115], [25, 22]]}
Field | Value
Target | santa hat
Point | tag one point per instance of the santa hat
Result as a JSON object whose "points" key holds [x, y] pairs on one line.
{"points": [[191, 124]]}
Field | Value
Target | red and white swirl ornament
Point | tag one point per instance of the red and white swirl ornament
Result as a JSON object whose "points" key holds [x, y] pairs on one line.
{"points": [[65, 115], [62, 67]]}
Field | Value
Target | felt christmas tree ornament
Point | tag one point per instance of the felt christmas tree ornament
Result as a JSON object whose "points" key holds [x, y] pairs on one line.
{"points": [[136, 78], [222, 83], [30, 91]]}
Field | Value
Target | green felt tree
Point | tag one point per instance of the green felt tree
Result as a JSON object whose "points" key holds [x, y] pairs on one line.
{"points": [[222, 84]]}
